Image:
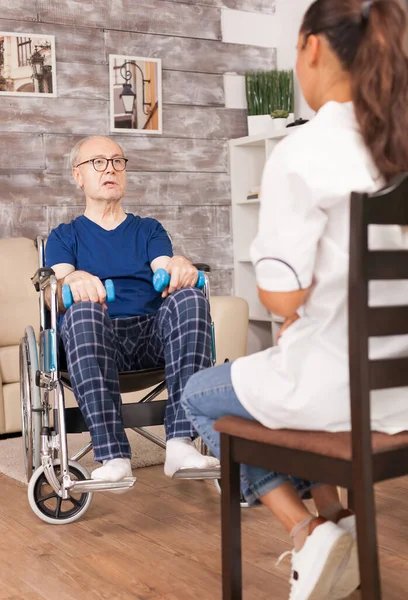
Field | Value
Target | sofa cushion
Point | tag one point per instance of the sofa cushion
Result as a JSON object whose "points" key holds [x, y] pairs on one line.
{"points": [[18, 298], [2, 425], [9, 364], [10, 417]]}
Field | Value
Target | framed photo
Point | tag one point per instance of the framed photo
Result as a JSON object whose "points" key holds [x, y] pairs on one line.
{"points": [[27, 64], [135, 94]]}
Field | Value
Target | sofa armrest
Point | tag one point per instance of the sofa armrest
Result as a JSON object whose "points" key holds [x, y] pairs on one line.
{"points": [[2, 411], [230, 315]]}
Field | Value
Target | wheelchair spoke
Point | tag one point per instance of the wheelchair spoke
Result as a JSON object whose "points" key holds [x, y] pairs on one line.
{"points": [[74, 501], [47, 497], [58, 508]]}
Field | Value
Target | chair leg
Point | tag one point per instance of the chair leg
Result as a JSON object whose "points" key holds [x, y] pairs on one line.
{"points": [[350, 500], [230, 523], [364, 506]]}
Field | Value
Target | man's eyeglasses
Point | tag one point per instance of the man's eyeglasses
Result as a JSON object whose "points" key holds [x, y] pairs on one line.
{"points": [[101, 164]]}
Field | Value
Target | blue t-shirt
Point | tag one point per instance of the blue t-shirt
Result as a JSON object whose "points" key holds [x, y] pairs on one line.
{"points": [[123, 255]]}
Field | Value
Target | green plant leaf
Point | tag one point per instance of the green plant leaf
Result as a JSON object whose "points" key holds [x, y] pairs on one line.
{"points": [[268, 91]]}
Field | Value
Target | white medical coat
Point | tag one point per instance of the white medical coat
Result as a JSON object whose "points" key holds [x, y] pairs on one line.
{"points": [[303, 240]]}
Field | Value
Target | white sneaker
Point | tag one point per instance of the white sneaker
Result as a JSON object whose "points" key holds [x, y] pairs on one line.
{"points": [[348, 578], [316, 565]]}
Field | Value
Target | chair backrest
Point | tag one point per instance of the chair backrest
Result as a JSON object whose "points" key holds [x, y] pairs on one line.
{"points": [[386, 207]]}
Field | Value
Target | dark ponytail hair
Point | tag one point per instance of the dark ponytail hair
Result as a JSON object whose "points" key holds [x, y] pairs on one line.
{"points": [[369, 38]]}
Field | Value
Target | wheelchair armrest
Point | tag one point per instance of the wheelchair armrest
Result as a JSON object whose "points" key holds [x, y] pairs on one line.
{"points": [[41, 276], [202, 267]]}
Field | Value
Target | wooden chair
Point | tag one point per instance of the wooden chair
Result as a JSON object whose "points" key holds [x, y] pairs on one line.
{"points": [[356, 460]]}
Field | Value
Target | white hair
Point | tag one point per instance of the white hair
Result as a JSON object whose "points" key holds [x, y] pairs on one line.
{"points": [[76, 150]]}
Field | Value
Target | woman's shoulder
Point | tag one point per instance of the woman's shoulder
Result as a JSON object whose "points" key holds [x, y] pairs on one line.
{"points": [[296, 152], [329, 143]]}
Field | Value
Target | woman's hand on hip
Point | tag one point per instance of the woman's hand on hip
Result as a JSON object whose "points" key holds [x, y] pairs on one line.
{"points": [[286, 324]]}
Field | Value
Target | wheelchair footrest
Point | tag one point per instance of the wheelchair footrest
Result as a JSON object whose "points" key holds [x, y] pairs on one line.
{"points": [[98, 485], [188, 473]]}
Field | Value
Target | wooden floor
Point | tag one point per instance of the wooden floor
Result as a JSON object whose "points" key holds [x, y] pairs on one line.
{"points": [[161, 541]]}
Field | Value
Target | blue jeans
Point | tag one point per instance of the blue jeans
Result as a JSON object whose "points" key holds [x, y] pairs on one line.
{"points": [[208, 396]]}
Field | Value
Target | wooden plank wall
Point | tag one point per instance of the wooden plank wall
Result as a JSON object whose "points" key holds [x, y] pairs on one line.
{"points": [[181, 177]]}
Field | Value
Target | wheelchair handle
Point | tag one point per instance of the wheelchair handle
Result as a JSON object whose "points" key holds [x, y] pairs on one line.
{"points": [[161, 280], [68, 300]]}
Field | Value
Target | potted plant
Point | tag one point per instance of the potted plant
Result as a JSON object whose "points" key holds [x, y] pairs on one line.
{"points": [[270, 100], [280, 119]]}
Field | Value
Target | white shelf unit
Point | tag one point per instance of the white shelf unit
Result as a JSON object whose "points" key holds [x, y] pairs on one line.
{"points": [[247, 160]]}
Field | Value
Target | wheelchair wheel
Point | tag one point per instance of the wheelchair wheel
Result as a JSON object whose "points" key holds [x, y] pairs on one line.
{"points": [[50, 507], [30, 402], [243, 502]]}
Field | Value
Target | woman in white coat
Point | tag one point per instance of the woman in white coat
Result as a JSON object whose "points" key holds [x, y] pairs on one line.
{"points": [[353, 71]]}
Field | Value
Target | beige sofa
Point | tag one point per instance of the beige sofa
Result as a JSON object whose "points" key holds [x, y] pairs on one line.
{"points": [[19, 308]]}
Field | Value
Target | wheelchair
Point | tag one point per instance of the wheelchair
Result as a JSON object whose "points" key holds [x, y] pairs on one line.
{"points": [[59, 487]]}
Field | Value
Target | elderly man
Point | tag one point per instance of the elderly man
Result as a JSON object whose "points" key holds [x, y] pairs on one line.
{"points": [[140, 329]]}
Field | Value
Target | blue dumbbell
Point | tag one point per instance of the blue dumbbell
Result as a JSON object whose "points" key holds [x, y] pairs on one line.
{"points": [[67, 295], [161, 280]]}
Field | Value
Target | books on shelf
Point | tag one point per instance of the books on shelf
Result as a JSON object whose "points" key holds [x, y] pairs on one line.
{"points": [[253, 193]]}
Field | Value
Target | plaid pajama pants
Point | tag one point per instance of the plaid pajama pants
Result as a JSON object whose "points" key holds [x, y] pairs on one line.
{"points": [[177, 337]]}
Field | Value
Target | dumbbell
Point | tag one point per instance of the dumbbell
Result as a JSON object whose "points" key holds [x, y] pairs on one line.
{"points": [[68, 300], [161, 280]]}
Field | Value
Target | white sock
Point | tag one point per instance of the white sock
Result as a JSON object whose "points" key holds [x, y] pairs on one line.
{"points": [[113, 470], [181, 453], [300, 532], [331, 511]]}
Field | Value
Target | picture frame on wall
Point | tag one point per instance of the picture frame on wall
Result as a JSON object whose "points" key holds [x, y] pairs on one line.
{"points": [[135, 85], [27, 64]]}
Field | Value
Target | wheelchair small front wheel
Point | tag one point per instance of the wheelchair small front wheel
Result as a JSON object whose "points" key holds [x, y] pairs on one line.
{"points": [[48, 505], [243, 502]]}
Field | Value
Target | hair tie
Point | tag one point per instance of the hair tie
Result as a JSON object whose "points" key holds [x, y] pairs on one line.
{"points": [[366, 10]]}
